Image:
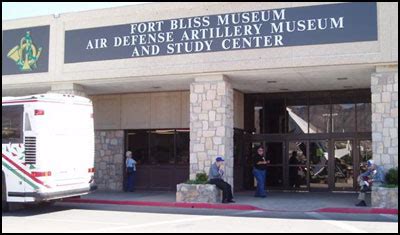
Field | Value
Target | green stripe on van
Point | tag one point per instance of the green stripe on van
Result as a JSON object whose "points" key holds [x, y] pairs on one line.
{"points": [[19, 175]]}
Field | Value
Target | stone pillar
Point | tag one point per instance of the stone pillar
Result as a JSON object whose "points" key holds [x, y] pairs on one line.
{"points": [[211, 124], [109, 159], [68, 88], [384, 89]]}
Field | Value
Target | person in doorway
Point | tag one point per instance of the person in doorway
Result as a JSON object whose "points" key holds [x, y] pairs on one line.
{"points": [[374, 174], [215, 177], [130, 172], [260, 171], [294, 177]]}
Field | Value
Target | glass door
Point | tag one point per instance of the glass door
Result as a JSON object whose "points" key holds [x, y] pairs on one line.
{"points": [[274, 152], [319, 165], [298, 177], [363, 154], [344, 176], [249, 182]]}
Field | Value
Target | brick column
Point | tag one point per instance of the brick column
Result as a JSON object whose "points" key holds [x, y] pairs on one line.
{"points": [[384, 89], [109, 159], [211, 124]]}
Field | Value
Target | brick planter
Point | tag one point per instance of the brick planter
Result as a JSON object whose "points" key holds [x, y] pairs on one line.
{"points": [[385, 197], [198, 193]]}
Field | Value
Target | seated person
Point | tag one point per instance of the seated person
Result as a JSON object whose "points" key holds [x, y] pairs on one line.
{"points": [[373, 174], [215, 177]]}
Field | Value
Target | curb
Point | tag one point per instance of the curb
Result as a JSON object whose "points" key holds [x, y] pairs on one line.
{"points": [[231, 206], [360, 211], [197, 205]]}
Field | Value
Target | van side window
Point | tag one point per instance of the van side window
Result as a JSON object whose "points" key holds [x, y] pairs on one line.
{"points": [[28, 126], [12, 120]]}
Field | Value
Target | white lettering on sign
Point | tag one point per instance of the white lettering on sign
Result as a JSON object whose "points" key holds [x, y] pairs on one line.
{"points": [[232, 31], [97, 43], [307, 25]]}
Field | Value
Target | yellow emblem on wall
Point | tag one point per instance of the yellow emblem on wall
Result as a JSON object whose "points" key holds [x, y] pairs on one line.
{"points": [[25, 54]]}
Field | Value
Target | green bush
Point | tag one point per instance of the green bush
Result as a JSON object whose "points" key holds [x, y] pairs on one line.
{"points": [[392, 176], [201, 178]]}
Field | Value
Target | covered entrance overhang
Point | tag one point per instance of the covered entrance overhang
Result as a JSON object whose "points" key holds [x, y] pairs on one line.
{"points": [[246, 81]]}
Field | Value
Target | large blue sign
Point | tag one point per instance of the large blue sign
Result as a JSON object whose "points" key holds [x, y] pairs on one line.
{"points": [[311, 25]]}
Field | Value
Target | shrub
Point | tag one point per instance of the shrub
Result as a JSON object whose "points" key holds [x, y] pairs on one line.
{"points": [[201, 178], [391, 176]]}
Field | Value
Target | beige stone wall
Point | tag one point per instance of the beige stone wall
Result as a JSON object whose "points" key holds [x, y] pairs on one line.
{"points": [[211, 124], [141, 110], [109, 160], [385, 116]]}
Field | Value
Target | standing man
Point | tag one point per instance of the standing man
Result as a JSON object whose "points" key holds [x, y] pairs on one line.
{"points": [[215, 177], [260, 171], [130, 171]]}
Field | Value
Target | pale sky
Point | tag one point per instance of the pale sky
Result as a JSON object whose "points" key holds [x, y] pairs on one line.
{"points": [[16, 10]]}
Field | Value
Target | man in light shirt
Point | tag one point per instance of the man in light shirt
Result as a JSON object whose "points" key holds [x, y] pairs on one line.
{"points": [[130, 171]]}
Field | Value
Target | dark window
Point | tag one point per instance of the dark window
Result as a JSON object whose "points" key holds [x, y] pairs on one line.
{"points": [[162, 147], [275, 173], [320, 118], [138, 143], [182, 147], [12, 120], [274, 116], [238, 139], [343, 118], [364, 117], [308, 113], [273, 152], [258, 117], [159, 146]]}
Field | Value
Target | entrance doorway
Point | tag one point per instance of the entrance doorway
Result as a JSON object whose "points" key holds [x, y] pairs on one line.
{"points": [[316, 141], [309, 164], [162, 157]]}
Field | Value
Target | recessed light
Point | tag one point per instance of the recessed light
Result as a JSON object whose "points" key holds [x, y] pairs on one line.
{"points": [[156, 87], [271, 81], [341, 79]]}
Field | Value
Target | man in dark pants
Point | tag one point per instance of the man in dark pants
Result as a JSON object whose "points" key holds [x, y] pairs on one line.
{"points": [[260, 171], [215, 177]]}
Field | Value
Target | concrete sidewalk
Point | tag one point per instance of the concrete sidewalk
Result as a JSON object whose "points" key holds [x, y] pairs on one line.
{"points": [[276, 201]]}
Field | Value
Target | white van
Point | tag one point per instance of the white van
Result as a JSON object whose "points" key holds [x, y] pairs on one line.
{"points": [[47, 148]]}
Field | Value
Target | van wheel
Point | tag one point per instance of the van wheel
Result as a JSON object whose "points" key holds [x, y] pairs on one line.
{"points": [[4, 204], [47, 203]]}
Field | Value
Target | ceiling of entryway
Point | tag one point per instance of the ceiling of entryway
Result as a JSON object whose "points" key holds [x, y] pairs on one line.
{"points": [[256, 81], [252, 81]]}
